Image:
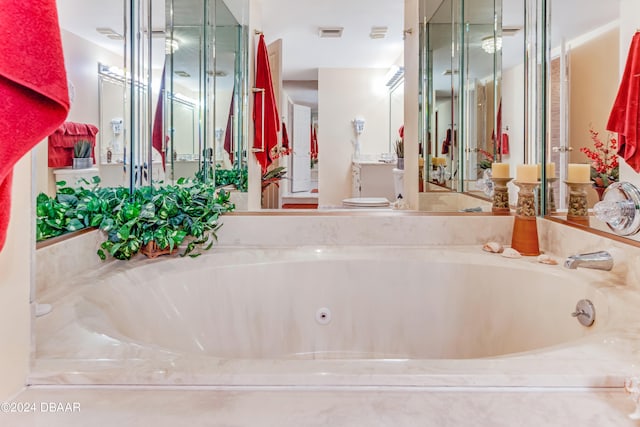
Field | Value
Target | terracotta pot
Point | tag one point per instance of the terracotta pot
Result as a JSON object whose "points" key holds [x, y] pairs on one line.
{"points": [[151, 250]]}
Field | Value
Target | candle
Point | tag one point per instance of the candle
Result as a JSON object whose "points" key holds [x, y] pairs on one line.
{"points": [[551, 170], [500, 170], [579, 173], [527, 173]]}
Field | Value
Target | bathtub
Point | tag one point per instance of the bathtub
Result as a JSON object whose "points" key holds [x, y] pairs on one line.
{"points": [[347, 316]]}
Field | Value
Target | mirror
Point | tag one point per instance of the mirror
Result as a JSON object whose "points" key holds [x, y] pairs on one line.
{"points": [[188, 76], [461, 79], [602, 32]]}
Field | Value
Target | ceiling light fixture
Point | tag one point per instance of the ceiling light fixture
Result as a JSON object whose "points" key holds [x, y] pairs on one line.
{"points": [[492, 44]]}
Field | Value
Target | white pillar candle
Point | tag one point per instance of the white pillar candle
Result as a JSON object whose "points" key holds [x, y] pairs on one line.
{"points": [[578, 172], [500, 170], [527, 173]]}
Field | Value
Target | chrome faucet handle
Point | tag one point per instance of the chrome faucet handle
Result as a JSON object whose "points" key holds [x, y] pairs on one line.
{"points": [[620, 208]]}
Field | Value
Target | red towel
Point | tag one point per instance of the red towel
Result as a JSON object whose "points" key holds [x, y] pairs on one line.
{"points": [[61, 142], [270, 122], [229, 146], [33, 86], [158, 120], [314, 143], [625, 114], [505, 143]]}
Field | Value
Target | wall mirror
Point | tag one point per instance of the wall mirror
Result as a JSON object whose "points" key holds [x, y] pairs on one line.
{"points": [[177, 110], [584, 74], [461, 84]]}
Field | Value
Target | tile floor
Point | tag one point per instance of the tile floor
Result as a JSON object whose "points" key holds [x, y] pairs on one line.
{"points": [[123, 407]]}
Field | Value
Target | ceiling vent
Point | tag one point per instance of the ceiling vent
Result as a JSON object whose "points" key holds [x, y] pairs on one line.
{"points": [[378, 32], [510, 31], [110, 33], [330, 32]]}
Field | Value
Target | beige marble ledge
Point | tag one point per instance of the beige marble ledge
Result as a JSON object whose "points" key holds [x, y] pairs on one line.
{"points": [[297, 407]]}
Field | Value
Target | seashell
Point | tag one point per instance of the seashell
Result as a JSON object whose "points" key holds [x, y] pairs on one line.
{"points": [[493, 247], [546, 259], [510, 253]]}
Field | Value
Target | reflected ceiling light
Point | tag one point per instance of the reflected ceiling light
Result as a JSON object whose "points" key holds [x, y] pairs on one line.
{"points": [[182, 73], [491, 44], [394, 75], [170, 46]]}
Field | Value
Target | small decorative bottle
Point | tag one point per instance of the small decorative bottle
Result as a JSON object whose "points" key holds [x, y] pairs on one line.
{"points": [[109, 155]]}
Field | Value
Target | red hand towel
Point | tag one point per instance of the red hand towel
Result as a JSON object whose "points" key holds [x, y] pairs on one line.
{"points": [[33, 86], [314, 143], [285, 140], [505, 143], [625, 114], [269, 122], [158, 120], [229, 145]]}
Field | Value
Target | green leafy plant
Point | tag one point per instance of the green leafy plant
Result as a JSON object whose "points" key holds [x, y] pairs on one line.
{"points": [[72, 209], [169, 215], [82, 149], [399, 148], [235, 177], [273, 177]]}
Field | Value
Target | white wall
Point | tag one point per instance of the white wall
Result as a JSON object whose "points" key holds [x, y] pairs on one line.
{"points": [[513, 116], [15, 281], [343, 95]]}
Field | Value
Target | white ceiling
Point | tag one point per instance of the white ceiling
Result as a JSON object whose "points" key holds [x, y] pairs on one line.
{"points": [[296, 22]]}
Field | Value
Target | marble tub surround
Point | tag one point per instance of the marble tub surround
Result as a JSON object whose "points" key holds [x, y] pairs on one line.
{"points": [[445, 201], [58, 263], [127, 406], [100, 333], [564, 241], [373, 228]]}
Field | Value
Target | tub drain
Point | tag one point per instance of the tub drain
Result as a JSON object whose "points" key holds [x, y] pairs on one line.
{"points": [[323, 316]]}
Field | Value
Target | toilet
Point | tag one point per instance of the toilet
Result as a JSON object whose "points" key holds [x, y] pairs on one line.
{"points": [[366, 202]]}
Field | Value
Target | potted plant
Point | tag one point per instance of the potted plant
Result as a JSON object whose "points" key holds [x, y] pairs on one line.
{"points": [[399, 149], [150, 220], [604, 162], [158, 220], [82, 155]]}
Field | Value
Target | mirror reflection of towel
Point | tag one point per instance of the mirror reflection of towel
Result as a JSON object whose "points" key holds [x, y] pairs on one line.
{"points": [[33, 86]]}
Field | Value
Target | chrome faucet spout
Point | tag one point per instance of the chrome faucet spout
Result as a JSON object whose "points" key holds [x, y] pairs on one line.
{"points": [[601, 260]]}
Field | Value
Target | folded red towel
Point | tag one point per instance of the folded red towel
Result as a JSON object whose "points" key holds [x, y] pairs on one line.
{"points": [[33, 86]]}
